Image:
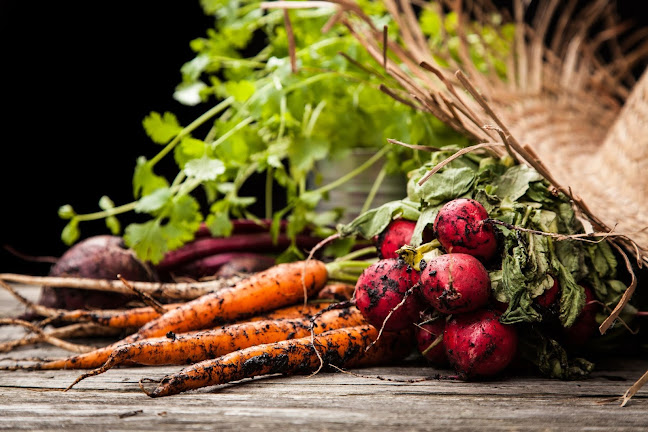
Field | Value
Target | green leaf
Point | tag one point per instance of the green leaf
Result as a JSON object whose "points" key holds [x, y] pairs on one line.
{"points": [[204, 169], [154, 202], [305, 151], [374, 221], [550, 357], [515, 284], [105, 203], [66, 212], [514, 183], [572, 297], [71, 232], [443, 186], [425, 219], [190, 94], [241, 90], [145, 180], [161, 128], [152, 239], [146, 240], [219, 224], [187, 149], [112, 223]]}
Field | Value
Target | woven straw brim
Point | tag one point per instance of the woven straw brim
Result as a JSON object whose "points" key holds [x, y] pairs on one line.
{"points": [[600, 154]]}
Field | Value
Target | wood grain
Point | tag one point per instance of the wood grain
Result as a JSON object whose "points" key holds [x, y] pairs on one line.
{"points": [[33, 400]]}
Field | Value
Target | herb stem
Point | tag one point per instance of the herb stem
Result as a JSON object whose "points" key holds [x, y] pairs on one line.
{"points": [[240, 125], [357, 253], [125, 208], [374, 189], [192, 126], [268, 193], [351, 174]]}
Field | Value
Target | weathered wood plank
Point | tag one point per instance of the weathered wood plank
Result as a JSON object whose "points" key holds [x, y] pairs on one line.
{"points": [[33, 400]]}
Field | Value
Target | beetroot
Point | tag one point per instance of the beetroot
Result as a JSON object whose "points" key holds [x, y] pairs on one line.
{"points": [[397, 234], [428, 343], [478, 344], [462, 226], [455, 283], [224, 264], [381, 287], [97, 257]]}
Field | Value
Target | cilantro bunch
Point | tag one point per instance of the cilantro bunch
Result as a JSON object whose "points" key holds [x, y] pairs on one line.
{"points": [[264, 118]]}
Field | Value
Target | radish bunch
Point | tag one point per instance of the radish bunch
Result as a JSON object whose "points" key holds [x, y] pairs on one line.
{"points": [[453, 285]]}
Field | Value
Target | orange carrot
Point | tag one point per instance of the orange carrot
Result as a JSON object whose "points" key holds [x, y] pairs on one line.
{"points": [[338, 291], [192, 347], [137, 317], [99, 356], [294, 311], [116, 318], [345, 348], [280, 285]]}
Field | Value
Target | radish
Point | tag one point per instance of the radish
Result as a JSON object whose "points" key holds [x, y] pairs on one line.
{"points": [[462, 226], [478, 344], [455, 283], [381, 288], [549, 297], [397, 234], [429, 340], [585, 326]]}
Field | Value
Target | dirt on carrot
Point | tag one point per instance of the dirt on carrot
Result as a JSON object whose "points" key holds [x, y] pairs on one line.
{"points": [[343, 348], [280, 285], [192, 347]]}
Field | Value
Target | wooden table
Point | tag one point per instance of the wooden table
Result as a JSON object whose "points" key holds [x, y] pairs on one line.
{"points": [[33, 400]]}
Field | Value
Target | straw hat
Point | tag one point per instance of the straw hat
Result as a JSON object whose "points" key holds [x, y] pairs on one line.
{"points": [[565, 108]]}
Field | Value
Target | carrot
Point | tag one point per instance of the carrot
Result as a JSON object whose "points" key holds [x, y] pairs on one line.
{"points": [[280, 285], [99, 356], [192, 347], [117, 318], [344, 348], [339, 291]]}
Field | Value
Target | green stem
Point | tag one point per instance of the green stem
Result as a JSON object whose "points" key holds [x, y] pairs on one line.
{"points": [[240, 125], [268, 193], [358, 170], [374, 189], [243, 175], [236, 62], [192, 126], [343, 270], [102, 214], [357, 253]]}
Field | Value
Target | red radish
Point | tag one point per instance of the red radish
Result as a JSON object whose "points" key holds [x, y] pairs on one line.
{"points": [[549, 297], [382, 287], [397, 234], [478, 344], [429, 339], [585, 325], [455, 283], [462, 226]]}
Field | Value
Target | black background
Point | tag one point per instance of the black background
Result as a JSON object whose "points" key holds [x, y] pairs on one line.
{"points": [[77, 79]]}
